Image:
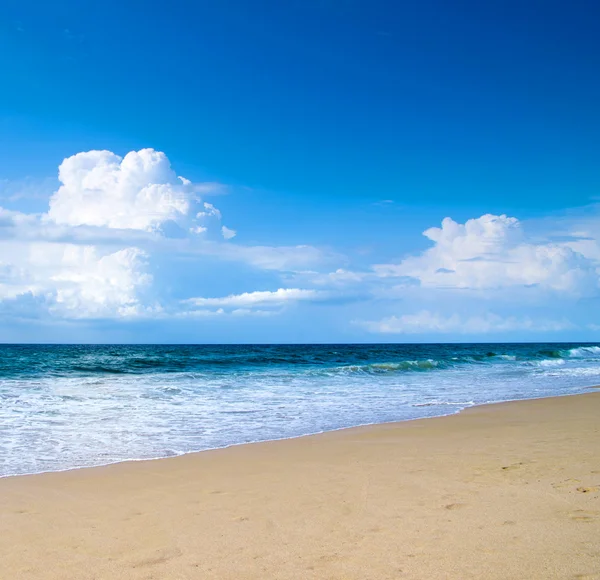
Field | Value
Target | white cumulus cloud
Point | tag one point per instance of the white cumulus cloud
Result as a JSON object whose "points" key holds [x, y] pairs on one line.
{"points": [[89, 285], [69, 259], [75, 281], [494, 252], [90, 255], [139, 191]]}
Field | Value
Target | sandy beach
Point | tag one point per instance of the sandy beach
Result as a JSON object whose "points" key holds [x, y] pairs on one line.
{"points": [[501, 491]]}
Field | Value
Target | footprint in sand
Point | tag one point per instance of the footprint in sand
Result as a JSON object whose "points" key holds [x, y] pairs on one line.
{"points": [[588, 489], [565, 483], [159, 557], [455, 506], [329, 557], [583, 516], [513, 466]]}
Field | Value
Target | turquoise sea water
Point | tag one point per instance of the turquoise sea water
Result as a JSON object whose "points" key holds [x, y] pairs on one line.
{"points": [[73, 406]]}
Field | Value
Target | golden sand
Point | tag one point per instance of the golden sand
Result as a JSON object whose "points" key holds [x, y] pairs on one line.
{"points": [[507, 491]]}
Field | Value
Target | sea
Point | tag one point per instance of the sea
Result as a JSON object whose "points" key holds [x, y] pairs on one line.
{"points": [[72, 406]]}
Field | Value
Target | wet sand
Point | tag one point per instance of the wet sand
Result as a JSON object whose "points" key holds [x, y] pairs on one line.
{"points": [[506, 491]]}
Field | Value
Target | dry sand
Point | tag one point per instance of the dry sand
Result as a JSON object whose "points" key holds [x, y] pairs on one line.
{"points": [[497, 492]]}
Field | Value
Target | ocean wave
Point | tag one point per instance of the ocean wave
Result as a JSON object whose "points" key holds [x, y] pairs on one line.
{"points": [[425, 364], [584, 352], [575, 352], [390, 367], [547, 362], [551, 353]]}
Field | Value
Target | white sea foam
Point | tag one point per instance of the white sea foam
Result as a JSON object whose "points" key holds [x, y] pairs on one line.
{"points": [[551, 362], [462, 404]]}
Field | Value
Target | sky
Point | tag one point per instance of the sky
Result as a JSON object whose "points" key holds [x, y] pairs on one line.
{"points": [[303, 171]]}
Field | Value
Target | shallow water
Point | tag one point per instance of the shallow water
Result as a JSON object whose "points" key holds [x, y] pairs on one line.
{"points": [[79, 405]]}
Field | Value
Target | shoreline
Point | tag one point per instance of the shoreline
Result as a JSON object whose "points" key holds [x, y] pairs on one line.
{"points": [[294, 437], [500, 491]]}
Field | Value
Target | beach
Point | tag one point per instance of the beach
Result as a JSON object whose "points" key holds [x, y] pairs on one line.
{"points": [[502, 491]]}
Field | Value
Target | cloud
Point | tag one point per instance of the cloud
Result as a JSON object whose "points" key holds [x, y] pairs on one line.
{"points": [[92, 253], [120, 231], [84, 257], [139, 191], [228, 233], [75, 281], [342, 276], [493, 252], [89, 285], [267, 298], [425, 322], [220, 312], [209, 211]]}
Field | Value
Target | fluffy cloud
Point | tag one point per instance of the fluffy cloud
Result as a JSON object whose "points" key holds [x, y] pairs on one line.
{"points": [[91, 285], [493, 252], [50, 258], [139, 191], [75, 281], [89, 255], [425, 322]]}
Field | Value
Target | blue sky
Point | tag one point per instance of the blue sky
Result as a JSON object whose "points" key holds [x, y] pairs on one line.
{"points": [[328, 136]]}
